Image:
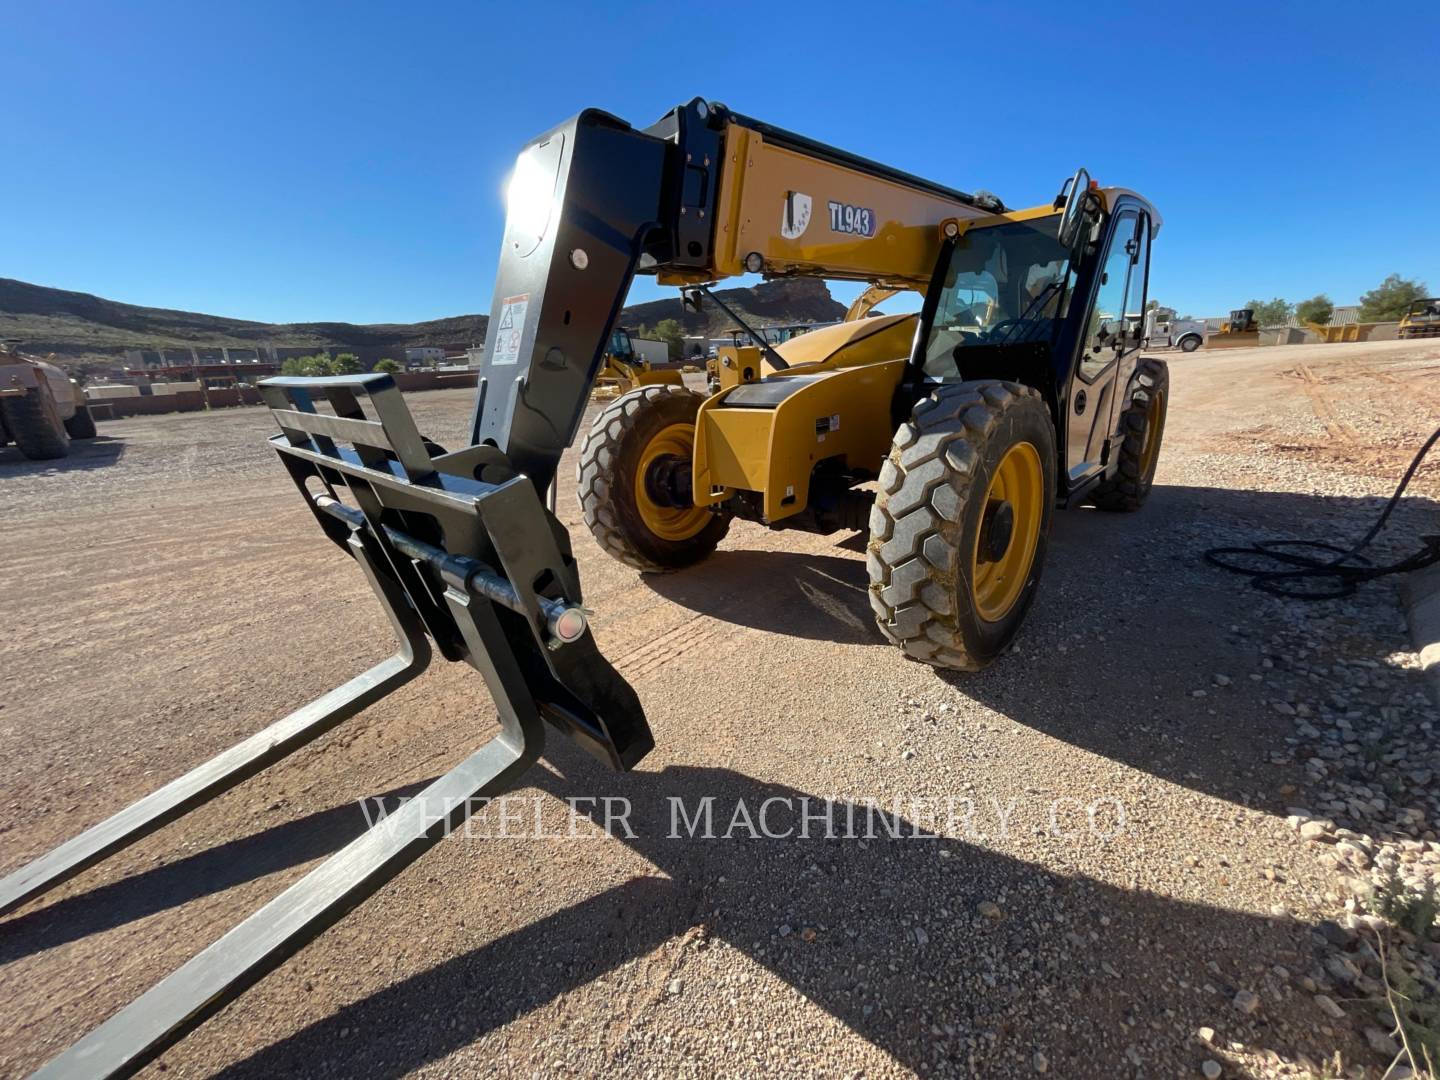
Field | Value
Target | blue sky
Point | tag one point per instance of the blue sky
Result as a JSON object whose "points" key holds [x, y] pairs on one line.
{"points": [[314, 161]]}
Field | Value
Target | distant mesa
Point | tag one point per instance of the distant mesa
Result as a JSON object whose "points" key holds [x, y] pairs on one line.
{"points": [[90, 332]]}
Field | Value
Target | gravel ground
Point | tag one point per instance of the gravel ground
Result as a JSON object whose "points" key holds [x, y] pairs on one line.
{"points": [[1183, 790]]}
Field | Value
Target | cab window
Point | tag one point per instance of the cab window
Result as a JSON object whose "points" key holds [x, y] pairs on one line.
{"points": [[1108, 314], [1135, 298], [1005, 284]]}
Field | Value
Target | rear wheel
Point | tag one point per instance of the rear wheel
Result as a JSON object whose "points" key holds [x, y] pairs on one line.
{"points": [[634, 479], [960, 523], [35, 425], [1142, 427], [1189, 344]]}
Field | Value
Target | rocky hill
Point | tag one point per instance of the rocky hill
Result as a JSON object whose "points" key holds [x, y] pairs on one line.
{"points": [[772, 303], [85, 330]]}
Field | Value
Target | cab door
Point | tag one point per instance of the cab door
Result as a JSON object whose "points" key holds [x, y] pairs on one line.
{"points": [[1109, 346]]}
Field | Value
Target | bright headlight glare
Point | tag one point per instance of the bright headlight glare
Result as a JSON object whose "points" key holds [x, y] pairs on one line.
{"points": [[529, 196]]}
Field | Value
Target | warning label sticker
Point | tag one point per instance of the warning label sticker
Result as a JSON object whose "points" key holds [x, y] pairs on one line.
{"points": [[507, 332]]}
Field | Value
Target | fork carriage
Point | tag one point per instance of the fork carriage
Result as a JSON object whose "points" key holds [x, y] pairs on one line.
{"points": [[461, 553]]}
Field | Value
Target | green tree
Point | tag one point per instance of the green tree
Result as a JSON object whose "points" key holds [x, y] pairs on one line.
{"points": [[1389, 300], [670, 332], [1319, 309], [1275, 312], [345, 364], [306, 365], [388, 366]]}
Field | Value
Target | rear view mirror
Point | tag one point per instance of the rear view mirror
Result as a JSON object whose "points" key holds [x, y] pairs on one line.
{"points": [[1074, 194]]}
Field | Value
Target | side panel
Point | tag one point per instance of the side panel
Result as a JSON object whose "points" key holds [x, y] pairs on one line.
{"points": [[843, 413], [732, 451], [851, 344]]}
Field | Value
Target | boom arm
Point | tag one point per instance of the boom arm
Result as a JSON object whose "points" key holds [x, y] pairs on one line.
{"points": [[701, 195]]}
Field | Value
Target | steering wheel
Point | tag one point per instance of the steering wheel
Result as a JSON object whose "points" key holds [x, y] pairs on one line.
{"points": [[1001, 330]]}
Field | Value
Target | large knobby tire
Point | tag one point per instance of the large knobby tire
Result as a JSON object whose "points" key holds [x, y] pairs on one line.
{"points": [[1142, 427], [82, 424], [945, 583], [35, 425], [629, 436]]}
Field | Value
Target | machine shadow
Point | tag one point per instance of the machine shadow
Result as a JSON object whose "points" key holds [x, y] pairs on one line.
{"points": [[97, 453], [820, 597], [883, 934], [1129, 622], [173, 884]]}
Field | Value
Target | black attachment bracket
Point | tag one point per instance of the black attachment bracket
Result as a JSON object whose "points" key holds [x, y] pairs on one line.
{"points": [[460, 551]]}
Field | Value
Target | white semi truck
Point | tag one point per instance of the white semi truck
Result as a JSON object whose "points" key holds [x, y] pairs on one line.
{"points": [[1184, 334]]}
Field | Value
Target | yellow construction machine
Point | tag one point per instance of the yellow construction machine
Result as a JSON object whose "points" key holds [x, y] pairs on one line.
{"points": [[1240, 331], [625, 368], [1421, 320], [949, 436], [759, 336]]}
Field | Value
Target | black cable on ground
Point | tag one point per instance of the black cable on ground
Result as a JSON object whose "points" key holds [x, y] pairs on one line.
{"points": [[1347, 569]]}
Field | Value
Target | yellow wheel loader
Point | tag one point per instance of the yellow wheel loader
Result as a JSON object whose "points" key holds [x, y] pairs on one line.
{"points": [[950, 435], [626, 368]]}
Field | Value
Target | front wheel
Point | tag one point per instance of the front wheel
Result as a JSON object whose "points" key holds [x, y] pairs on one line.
{"points": [[1189, 344], [82, 424], [960, 523], [634, 479], [1142, 427], [35, 425]]}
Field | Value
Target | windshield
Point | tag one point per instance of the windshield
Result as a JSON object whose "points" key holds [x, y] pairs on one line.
{"points": [[619, 343], [1425, 307], [1005, 284]]}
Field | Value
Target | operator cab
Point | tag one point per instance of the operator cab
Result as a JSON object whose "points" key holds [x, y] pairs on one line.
{"points": [[620, 345], [1004, 284], [1012, 301]]}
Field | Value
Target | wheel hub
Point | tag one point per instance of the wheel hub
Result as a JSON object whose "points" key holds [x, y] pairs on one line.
{"points": [[996, 530], [668, 482]]}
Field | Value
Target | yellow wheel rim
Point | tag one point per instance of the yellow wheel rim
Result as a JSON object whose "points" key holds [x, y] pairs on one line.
{"points": [[996, 581], [1154, 422], [668, 522]]}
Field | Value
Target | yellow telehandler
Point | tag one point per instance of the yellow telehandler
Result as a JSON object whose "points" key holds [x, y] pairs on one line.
{"points": [[951, 435]]}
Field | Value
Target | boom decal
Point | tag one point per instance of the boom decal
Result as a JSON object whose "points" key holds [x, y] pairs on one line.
{"points": [[854, 220]]}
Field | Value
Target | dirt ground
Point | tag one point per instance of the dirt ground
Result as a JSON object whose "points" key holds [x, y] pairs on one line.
{"points": [[166, 593]]}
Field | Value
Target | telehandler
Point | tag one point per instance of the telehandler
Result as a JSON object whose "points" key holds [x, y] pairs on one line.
{"points": [[951, 434]]}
